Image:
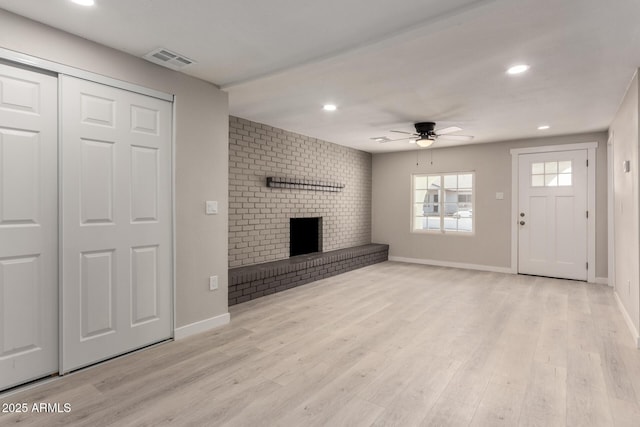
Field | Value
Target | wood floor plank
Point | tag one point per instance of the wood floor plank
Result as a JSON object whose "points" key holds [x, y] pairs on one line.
{"points": [[459, 401], [389, 344], [631, 360], [545, 400], [335, 395], [410, 404], [619, 385], [500, 406], [587, 399], [271, 409], [625, 414], [357, 413]]}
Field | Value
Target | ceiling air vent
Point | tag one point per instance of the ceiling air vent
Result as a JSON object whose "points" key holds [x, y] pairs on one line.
{"points": [[168, 59]]}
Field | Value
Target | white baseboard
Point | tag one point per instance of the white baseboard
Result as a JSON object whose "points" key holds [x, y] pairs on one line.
{"points": [[627, 319], [201, 326], [602, 281], [438, 263]]}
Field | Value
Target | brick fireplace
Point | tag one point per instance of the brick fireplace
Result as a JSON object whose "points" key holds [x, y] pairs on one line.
{"points": [[259, 215], [279, 180]]}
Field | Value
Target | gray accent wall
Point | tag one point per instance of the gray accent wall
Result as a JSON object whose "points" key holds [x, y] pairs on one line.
{"points": [[201, 154], [490, 246], [259, 215], [624, 135]]}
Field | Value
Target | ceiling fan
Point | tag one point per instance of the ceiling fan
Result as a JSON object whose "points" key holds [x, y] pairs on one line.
{"points": [[426, 134]]}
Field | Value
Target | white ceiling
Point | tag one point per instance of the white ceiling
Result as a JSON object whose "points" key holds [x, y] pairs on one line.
{"points": [[386, 64]]}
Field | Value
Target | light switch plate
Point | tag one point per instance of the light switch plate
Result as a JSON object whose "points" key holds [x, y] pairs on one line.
{"points": [[211, 207], [500, 196]]}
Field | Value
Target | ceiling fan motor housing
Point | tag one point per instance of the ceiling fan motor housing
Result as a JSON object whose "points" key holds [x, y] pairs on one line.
{"points": [[426, 129]]}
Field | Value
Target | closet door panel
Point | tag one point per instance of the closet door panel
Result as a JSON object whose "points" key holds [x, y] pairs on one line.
{"points": [[117, 268], [28, 226]]}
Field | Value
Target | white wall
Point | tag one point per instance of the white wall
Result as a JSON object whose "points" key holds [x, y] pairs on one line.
{"points": [[490, 246], [624, 135], [201, 146]]}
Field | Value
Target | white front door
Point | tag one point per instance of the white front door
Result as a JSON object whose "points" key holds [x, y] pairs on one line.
{"points": [[116, 201], [28, 226], [553, 214]]}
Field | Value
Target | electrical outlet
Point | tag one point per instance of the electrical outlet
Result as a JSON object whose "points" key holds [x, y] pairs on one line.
{"points": [[213, 283]]}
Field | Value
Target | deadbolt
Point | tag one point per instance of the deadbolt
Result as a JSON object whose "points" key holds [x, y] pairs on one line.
{"points": [[522, 214]]}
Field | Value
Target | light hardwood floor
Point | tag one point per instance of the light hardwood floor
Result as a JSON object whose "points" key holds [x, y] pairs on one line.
{"points": [[389, 345]]}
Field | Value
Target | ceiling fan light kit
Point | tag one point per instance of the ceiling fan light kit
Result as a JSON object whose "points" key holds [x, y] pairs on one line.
{"points": [[424, 142]]}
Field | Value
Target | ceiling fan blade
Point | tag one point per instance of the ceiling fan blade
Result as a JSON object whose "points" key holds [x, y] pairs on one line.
{"points": [[457, 137], [403, 139], [401, 131], [450, 129]]}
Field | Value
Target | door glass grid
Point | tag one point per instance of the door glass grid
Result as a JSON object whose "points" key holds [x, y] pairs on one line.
{"points": [[551, 174]]}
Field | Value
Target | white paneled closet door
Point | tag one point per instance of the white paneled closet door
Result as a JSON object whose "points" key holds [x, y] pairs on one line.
{"points": [[117, 226], [28, 226]]}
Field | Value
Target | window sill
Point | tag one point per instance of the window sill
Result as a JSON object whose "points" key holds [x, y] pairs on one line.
{"points": [[444, 233]]}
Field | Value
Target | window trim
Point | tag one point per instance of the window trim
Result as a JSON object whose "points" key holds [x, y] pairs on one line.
{"points": [[442, 230]]}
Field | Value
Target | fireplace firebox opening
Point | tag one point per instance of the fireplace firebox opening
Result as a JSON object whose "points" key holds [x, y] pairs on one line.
{"points": [[305, 235]]}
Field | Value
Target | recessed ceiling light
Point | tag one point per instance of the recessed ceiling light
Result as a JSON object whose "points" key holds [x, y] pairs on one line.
{"points": [[543, 127], [517, 69], [84, 2], [329, 107]]}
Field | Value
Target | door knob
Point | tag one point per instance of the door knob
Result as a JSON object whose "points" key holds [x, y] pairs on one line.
{"points": [[522, 214], [521, 222]]}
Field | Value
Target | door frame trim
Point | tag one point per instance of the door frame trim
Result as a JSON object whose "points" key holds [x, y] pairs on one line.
{"points": [[611, 247], [591, 199], [43, 64]]}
